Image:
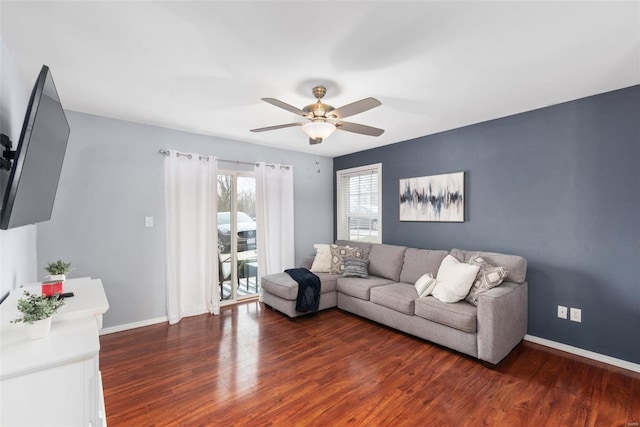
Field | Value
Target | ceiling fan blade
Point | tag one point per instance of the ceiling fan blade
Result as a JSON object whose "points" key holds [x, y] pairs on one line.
{"points": [[355, 107], [314, 141], [288, 125], [358, 128], [285, 106]]}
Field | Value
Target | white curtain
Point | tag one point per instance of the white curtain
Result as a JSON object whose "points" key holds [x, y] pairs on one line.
{"points": [[191, 235], [274, 217]]}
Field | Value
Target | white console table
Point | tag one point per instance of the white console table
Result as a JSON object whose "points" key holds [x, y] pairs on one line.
{"points": [[54, 381]]}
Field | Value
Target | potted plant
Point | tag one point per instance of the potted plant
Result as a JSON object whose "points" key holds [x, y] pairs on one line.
{"points": [[58, 269], [36, 313], [57, 275]]}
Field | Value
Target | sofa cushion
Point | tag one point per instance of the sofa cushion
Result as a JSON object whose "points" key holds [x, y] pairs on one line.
{"points": [[461, 315], [386, 261], [396, 296], [356, 267], [280, 285], [454, 279], [322, 260], [365, 246], [360, 288], [339, 253], [328, 282], [516, 265], [417, 262], [283, 286]]}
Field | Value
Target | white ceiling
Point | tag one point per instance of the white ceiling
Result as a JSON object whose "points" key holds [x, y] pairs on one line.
{"points": [[203, 66]]}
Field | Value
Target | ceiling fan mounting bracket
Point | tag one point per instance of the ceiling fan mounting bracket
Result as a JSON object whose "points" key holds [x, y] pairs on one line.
{"points": [[319, 92]]}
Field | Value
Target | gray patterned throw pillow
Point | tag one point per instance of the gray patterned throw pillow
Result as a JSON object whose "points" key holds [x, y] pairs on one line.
{"points": [[339, 253], [488, 277]]}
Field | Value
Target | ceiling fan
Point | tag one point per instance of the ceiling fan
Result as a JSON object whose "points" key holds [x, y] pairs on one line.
{"points": [[323, 119]]}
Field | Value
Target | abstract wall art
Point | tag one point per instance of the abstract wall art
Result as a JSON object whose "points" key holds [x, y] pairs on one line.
{"points": [[437, 198]]}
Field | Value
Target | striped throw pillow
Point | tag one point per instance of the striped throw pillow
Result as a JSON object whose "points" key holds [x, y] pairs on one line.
{"points": [[425, 284], [356, 267]]}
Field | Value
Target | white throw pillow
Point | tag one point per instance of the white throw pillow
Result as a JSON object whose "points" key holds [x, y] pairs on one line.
{"points": [[425, 284], [322, 261], [454, 280]]}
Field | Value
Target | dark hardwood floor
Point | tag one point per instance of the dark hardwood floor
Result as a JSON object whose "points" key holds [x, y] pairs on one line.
{"points": [[252, 366]]}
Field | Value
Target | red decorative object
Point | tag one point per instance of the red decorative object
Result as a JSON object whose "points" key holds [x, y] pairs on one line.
{"points": [[52, 287]]}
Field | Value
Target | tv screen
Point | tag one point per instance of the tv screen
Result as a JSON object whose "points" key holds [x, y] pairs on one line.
{"points": [[33, 178]]}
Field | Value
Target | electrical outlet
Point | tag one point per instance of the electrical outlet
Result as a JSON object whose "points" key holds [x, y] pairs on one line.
{"points": [[148, 221], [562, 312], [576, 315]]}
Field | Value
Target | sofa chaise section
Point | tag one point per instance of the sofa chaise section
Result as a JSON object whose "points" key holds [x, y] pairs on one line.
{"points": [[280, 292]]}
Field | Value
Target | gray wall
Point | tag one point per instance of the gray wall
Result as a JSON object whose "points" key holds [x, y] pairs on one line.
{"points": [[559, 186], [17, 246], [113, 177]]}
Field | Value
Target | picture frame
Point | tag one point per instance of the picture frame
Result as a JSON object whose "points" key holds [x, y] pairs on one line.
{"points": [[434, 198]]}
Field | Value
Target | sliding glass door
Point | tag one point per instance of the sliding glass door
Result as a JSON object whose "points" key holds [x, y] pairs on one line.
{"points": [[237, 250]]}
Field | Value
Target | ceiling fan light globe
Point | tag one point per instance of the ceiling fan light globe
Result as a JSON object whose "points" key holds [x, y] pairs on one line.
{"points": [[318, 130]]}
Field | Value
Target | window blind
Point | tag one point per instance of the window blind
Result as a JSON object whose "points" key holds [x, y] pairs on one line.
{"points": [[359, 203]]}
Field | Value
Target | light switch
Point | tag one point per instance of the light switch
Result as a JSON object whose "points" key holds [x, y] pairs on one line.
{"points": [[148, 221]]}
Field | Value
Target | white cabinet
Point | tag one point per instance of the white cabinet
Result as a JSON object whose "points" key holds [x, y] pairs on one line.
{"points": [[54, 381], [89, 301]]}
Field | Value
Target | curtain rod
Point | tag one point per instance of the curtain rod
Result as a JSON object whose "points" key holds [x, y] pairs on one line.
{"points": [[189, 156]]}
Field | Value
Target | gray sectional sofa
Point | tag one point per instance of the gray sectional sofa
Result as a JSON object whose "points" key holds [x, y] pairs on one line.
{"points": [[388, 296]]}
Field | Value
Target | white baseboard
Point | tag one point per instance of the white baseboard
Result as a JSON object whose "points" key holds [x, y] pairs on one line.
{"points": [[127, 326], [584, 353]]}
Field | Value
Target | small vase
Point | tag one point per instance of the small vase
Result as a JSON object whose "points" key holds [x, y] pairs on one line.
{"points": [[38, 329]]}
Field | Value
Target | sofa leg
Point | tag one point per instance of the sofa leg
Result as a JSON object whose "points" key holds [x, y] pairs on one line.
{"points": [[490, 365]]}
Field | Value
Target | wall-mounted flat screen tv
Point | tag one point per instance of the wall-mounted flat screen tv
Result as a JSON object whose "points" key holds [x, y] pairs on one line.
{"points": [[37, 161]]}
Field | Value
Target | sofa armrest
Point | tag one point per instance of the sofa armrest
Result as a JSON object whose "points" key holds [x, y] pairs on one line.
{"points": [[502, 320], [307, 263]]}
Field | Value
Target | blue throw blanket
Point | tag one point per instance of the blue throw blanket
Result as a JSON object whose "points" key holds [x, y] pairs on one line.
{"points": [[308, 299]]}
